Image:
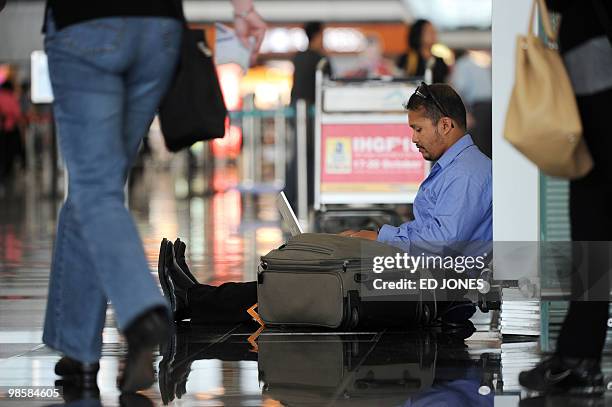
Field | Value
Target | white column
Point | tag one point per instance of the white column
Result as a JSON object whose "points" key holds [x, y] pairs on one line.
{"points": [[515, 180]]}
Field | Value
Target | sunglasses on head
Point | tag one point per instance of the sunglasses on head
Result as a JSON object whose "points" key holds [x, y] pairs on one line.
{"points": [[423, 91]]}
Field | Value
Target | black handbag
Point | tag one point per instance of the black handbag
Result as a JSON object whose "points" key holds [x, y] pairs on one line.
{"points": [[193, 109]]}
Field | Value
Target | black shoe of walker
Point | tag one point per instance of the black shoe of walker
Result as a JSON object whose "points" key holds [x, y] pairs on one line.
{"points": [[143, 335], [557, 374], [135, 400], [80, 374], [73, 392], [179, 252]]}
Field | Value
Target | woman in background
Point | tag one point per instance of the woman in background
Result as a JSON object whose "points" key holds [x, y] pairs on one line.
{"points": [[419, 59]]}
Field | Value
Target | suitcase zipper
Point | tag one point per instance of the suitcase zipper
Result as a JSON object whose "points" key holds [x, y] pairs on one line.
{"points": [[307, 248], [323, 266]]}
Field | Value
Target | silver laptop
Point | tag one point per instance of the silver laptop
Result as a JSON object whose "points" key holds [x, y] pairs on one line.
{"points": [[288, 215]]}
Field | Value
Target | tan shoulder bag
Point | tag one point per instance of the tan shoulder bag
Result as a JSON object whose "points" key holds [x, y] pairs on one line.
{"points": [[543, 121]]}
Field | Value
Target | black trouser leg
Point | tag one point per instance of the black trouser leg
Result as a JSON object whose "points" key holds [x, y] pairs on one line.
{"points": [[584, 330], [225, 304]]}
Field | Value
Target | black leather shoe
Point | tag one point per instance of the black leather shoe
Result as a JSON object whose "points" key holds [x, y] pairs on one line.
{"points": [[77, 375], [179, 252], [135, 400], [162, 273], [180, 283], [173, 281], [143, 335], [558, 374], [73, 392]]}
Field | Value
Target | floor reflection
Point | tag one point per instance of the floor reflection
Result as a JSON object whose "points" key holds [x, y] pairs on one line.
{"points": [[382, 369]]}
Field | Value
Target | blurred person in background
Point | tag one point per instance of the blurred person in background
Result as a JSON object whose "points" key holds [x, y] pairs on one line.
{"points": [[305, 68], [110, 64], [11, 146], [37, 118], [305, 64], [418, 60], [585, 43], [372, 63], [471, 78]]}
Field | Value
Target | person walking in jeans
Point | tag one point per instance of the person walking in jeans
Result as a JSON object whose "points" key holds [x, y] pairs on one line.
{"points": [[110, 64]]}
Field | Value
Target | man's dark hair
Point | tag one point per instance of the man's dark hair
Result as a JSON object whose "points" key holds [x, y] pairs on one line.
{"points": [[312, 29], [416, 33], [449, 100]]}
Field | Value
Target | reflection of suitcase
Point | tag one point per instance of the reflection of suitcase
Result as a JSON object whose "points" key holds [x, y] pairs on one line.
{"points": [[326, 369], [396, 369], [325, 280], [418, 369]]}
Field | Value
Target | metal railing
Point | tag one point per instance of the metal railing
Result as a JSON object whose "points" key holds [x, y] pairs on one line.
{"points": [[286, 122], [271, 138]]}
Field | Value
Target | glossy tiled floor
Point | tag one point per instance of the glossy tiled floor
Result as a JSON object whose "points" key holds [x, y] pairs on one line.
{"points": [[218, 366]]}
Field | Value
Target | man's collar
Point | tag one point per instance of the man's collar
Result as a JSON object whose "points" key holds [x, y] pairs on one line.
{"points": [[454, 150]]}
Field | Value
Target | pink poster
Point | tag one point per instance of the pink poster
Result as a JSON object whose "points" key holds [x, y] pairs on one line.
{"points": [[370, 157]]}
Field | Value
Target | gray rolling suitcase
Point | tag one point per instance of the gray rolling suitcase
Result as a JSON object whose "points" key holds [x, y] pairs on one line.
{"points": [[326, 280]]}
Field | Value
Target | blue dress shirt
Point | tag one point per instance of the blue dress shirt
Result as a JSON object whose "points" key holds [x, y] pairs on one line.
{"points": [[453, 207]]}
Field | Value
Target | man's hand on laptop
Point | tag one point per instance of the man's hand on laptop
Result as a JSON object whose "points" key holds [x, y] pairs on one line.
{"points": [[364, 234]]}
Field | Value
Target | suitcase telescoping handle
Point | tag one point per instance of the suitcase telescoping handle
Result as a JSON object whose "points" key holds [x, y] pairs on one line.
{"points": [[260, 275]]}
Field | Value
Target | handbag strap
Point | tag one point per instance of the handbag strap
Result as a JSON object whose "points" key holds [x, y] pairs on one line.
{"points": [[603, 17], [548, 30]]}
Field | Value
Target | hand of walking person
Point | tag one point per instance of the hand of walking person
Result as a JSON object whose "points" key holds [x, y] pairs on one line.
{"points": [[249, 24]]}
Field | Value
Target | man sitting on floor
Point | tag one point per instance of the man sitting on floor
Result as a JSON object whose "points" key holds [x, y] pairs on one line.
{"points": [[453, 206]]}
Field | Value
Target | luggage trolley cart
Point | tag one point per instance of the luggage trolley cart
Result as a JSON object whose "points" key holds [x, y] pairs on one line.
{"points": [[365, 160]]}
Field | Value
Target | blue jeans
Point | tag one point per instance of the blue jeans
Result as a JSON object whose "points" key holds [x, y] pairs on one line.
{"points": [[108, 76]]}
